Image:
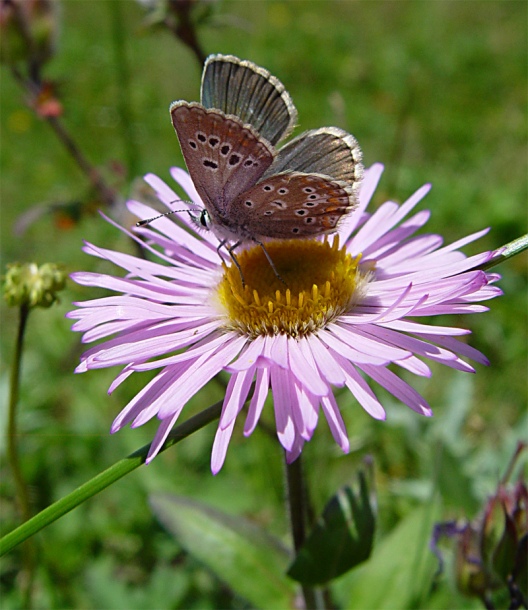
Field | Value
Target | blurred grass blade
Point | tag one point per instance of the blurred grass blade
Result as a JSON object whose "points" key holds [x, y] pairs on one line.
{"points": [[250, 561], [341, 539]]}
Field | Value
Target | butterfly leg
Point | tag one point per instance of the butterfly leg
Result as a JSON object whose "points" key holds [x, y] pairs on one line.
{"points": [[230, 249], [270, 261]]}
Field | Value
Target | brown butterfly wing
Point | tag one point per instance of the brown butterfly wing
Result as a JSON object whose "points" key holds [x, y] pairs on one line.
{"points": [[224, 157], [329, 151], [293, 205], [251, 93]]}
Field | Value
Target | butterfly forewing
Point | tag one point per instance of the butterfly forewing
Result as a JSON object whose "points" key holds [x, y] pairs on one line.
{"points": [[329, 151], [223, 156], [249, 92], [293, 205]]}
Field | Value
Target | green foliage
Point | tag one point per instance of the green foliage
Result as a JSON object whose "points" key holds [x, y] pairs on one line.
{"points": [[252, 563], [436, 91], [341, 539]]}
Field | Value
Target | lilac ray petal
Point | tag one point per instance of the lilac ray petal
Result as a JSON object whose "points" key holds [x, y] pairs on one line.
{"points": [[388, 216], [278, 350], [248, 357], [398, 243], [396, 386], [458, 347], [122, 376], [309, 406], [152, 328], [335, 422], [362, 391], [163, 191], [139, 271], [220, 446], [280, 386], [297, 414], [374, 228], [258, 399], [160, 437], [324, 359], [133, 288], [131, 263], [236, 395], [366, 343], [466, 240], [143, 397], [124, 308], [119, 327], [179, 237], [204, 369], [371, 179], [204, 342], [182, 257], [305, 371], [416, 328], [348, 351], [412, 344], [134, 348], [413, 249], [184, 180], [416, 366], [295, 451], [165, 226], [450, 308]]}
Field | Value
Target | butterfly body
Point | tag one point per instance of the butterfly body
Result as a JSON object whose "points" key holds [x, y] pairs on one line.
{"points": [[250, 190]]}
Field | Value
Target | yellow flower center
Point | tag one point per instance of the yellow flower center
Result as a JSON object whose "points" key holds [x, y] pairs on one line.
{"points": [[318, 282]]}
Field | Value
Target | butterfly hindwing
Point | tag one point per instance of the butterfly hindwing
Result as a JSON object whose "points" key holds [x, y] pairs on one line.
{"points": [[329, 151], [241, 88], [223, 156], [293, 204]]}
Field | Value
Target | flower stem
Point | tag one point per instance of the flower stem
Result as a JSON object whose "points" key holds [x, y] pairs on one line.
{"points": [[21, 490], [107, 195], [297, 506], [104, 479], [508, 251]]}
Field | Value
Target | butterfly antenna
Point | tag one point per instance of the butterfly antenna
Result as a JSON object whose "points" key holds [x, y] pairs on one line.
{"points": [[147, 221]]}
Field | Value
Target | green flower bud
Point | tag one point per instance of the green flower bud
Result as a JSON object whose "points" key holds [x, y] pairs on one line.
{"points": [[33, 286]]}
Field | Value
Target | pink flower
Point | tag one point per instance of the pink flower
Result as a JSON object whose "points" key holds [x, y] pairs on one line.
{"points": [[348, 313]]}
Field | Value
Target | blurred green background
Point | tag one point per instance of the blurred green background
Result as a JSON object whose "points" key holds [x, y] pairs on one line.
{"points": [[437, 91]]}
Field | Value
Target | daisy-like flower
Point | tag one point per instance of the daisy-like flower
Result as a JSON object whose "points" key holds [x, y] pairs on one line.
{"points": [[350, 310]]}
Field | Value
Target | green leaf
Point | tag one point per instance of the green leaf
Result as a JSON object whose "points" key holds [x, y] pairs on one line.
{"points": [[242, 555], [400, 572], [341, 539]]}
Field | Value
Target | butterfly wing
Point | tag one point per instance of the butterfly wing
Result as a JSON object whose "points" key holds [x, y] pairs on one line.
{"points": [[294, 204], [243, 89], [329, 151], [223, 156]]}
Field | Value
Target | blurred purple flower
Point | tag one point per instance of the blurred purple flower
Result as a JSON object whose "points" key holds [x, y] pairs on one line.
{"points": [[346, 316]]}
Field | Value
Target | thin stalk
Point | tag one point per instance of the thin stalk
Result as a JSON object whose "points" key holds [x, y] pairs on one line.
{"points": [[21, 488], [297, 506], [124, 90], [106, 194], [104, 479]]}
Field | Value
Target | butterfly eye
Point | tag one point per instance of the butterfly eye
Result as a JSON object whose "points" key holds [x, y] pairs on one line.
{"points": [[205, 219]]}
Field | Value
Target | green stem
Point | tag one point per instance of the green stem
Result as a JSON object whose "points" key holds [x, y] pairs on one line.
{"points": [[508, 251], [107, 195], [104, 479], [124, 90], [21, 489], [297, 506]]}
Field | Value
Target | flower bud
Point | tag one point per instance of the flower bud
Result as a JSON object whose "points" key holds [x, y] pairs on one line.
{"points": [[32, 286]]}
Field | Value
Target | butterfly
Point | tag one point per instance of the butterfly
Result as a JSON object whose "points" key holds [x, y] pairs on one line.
{"points": [[250, 190]]}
